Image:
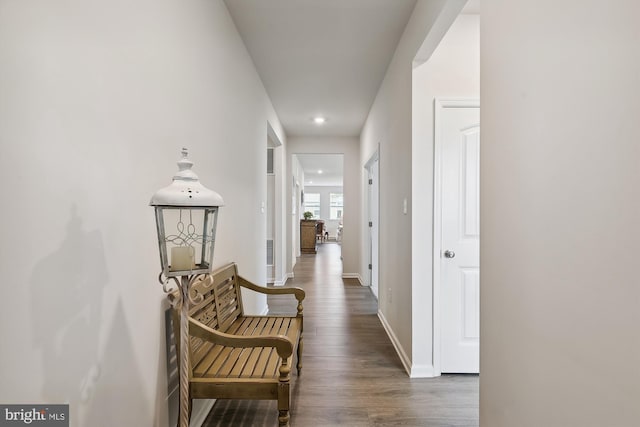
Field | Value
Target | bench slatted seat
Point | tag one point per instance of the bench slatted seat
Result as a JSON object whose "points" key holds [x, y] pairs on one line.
{"points": [[234, 356]]}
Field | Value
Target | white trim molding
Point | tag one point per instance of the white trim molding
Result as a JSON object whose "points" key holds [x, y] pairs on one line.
{"points": [[422, 371], [406, 362], [414, 371], [283, 281]]}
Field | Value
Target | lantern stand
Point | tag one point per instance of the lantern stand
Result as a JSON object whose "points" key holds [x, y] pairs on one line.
{"points": [[186, 251]]}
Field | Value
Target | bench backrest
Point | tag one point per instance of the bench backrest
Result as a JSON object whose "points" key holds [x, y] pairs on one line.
{"points": [[218, 304], [219, 293]]}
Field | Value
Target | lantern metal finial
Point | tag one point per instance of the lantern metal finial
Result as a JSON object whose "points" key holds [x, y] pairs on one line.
{"points": [[184, 168], [186, 189]]}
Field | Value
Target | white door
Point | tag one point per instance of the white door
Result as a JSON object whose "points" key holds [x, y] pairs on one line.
{"points": [[460, 245], [373, 223]]}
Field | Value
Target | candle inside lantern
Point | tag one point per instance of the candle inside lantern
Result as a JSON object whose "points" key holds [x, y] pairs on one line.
{"points": [[182, 258]]}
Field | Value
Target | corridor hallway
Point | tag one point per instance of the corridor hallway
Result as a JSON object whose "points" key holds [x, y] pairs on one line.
{"points": [[351, 375]]}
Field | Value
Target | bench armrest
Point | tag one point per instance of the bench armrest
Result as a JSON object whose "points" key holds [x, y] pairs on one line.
{"points": [[298, 292], [282, 344]]}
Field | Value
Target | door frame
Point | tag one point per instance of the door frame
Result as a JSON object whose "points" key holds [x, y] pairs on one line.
{"points": [[440, 104], [279, 220], [375, 157]]}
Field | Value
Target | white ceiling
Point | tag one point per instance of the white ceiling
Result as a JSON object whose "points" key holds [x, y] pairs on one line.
{"points": [[331, 166], [321, 57]]}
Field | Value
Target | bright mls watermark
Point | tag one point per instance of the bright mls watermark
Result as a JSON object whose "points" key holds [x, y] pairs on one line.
{"points": [[36, 415]]}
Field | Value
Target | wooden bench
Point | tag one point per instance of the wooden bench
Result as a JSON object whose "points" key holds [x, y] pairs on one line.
{"points": [[234, 356]]}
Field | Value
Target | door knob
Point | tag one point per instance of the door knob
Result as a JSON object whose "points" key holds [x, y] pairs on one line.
{"points": [[449, 254]]}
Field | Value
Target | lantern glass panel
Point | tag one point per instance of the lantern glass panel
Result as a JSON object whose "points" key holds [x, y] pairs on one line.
{"points": [[187, 239]]}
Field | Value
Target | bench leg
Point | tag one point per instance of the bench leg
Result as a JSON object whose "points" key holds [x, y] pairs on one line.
{"points": [[299, 354], [283, 419], [283, 395], [283, 405]]}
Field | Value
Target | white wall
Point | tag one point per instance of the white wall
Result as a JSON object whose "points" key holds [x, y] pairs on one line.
{"points": [[559, 214], [97, 99], [350, 147], [452, 71], [330, 225], [389, 124]]}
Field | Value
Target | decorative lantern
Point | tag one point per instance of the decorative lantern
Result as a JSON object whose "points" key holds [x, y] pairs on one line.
{"points": [[186, 217]]}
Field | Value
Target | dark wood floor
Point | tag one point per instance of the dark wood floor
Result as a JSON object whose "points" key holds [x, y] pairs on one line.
{"points": [[351, 374]]}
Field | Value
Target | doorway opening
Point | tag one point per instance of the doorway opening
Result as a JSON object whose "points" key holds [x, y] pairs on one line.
{"points": [[273, 210], [373, 209], [322, 199], [447, 68]]}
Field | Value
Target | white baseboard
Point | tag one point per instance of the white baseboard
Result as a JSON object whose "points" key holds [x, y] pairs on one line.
{"points": [[422, 371], [353, 276], [200, 414], [283, 281], [406, 362], [414, 371]]}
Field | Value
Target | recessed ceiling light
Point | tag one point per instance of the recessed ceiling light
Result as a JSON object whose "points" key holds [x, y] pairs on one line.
{"points": [[319, 120], [320, 171]]}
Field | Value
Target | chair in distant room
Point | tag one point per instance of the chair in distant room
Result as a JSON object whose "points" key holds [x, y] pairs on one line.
{"points": [[320, 232]]}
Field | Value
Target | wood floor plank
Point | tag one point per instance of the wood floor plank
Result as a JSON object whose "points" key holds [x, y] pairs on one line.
{"points": [[351, 374]]}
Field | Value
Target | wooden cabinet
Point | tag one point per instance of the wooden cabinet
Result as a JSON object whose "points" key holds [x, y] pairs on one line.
{"points": [[308, 236]]}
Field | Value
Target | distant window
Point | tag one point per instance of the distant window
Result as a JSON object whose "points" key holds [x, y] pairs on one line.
{"points": [[312, 204], [335, 205]]}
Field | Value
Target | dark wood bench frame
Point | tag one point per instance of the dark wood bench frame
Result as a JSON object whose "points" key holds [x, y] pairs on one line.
{"points": [[234, 356]]}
